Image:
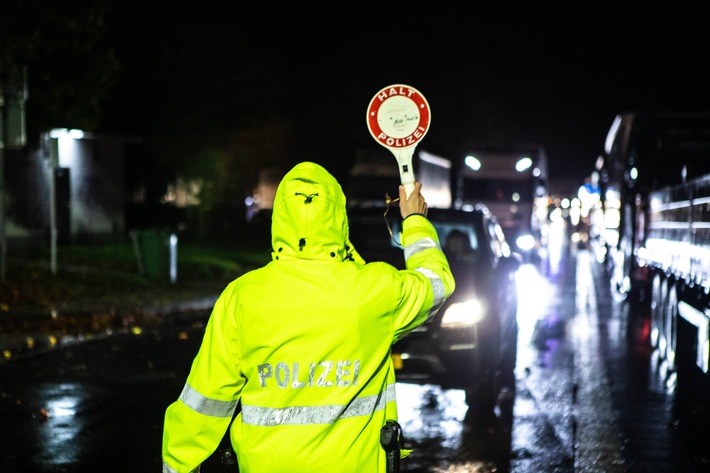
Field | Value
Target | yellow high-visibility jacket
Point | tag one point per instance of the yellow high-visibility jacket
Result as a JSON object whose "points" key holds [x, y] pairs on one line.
{"points": [[302, 345]]}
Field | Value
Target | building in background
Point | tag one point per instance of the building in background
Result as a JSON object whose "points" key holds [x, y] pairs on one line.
{"points": [[75, 182]]}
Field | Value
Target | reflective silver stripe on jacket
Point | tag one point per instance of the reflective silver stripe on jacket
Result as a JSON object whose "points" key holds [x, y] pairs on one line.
{"points": [[204, 405], [167, 469], [303, 415], [419, 246], [438, 286]]}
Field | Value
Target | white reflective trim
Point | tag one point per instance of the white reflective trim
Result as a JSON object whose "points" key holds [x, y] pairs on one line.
{"points": [[167, 469], [206, 406], [702, 321], [304, 415], [437, 286], [419, 246]]}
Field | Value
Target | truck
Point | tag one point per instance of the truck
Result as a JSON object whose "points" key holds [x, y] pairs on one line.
{"points": [[513, 182], [374, 174], [654, 180]]}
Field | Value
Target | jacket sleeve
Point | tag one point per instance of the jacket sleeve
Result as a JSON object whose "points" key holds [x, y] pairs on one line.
{"points": [[197, 421], [428, 282]]}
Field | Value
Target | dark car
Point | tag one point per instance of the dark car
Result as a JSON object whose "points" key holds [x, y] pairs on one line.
{"points": [[471, 343]]}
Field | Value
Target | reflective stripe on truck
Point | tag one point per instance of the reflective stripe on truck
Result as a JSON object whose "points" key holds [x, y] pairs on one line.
{"points": [[701, 321]]}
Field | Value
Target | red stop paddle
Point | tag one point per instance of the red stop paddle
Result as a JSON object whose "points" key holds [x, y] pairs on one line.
{"points": [[398, 117]]}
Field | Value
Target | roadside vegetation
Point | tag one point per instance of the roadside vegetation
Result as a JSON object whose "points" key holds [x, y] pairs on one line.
{"points": [[99, 290], [112, 271]]}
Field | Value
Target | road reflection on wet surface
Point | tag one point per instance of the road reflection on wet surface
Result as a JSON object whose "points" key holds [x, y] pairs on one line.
{"points": [[532, 431]]}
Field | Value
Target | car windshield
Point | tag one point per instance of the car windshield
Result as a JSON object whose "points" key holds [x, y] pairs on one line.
{"points": [[456, 238], [460, 235]]}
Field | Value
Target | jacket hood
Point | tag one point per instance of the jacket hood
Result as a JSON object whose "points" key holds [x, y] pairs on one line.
{"points": [[309, 219]]}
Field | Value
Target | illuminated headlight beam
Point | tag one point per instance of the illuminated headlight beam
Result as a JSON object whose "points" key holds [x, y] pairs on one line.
{"points": [[525, 242], [463, 314]]}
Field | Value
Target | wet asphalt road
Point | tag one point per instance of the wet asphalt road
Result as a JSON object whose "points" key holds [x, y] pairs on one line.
{"points": [[589, 396]]}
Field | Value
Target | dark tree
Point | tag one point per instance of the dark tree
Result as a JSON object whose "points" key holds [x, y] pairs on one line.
{"points": [[70, 68]]}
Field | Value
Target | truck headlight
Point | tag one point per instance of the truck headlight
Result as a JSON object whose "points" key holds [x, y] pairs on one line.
{"points": [[462, 314]]}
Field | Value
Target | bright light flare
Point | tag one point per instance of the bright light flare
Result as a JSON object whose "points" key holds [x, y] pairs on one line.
{"points": [[525, 242], [523, 164], [463, 314], [472, 162]]}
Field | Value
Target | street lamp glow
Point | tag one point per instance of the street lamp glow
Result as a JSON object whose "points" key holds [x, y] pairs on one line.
{"points": [[634, 173], [76, 134]]}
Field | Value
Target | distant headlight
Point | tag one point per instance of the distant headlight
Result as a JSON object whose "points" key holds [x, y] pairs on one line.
{"points": [[462, 314], [525, 242]]}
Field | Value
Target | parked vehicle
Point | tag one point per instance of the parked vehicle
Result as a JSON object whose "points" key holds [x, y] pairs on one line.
{"points": [[655, 191], [471, 343]]}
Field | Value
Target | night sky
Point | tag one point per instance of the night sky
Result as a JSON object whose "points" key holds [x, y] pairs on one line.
{"points": [[551, 76]]}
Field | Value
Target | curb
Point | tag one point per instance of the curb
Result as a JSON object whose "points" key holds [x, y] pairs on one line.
{"points": [[32, 331]]}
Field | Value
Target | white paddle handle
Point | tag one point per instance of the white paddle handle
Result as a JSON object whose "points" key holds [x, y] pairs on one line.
{"points": [[406, 171]]}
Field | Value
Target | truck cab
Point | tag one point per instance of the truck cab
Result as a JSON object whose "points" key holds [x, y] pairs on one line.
{"points": [[513, 183]]}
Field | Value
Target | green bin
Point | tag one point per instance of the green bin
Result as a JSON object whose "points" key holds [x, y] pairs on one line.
{"points": [[156, 253]]}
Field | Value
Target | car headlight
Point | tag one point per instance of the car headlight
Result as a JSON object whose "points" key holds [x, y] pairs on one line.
{"points": [[525, 242], [462, 314]]}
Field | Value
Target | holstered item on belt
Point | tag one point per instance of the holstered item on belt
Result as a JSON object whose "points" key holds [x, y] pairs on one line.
{"points": [[390, 438]]}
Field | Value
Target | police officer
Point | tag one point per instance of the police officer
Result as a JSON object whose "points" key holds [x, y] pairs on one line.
{"points": [[303, 343]]}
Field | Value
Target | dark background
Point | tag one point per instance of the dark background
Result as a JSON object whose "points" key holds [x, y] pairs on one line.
{"points": [[555, 76], [223, 89]]}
